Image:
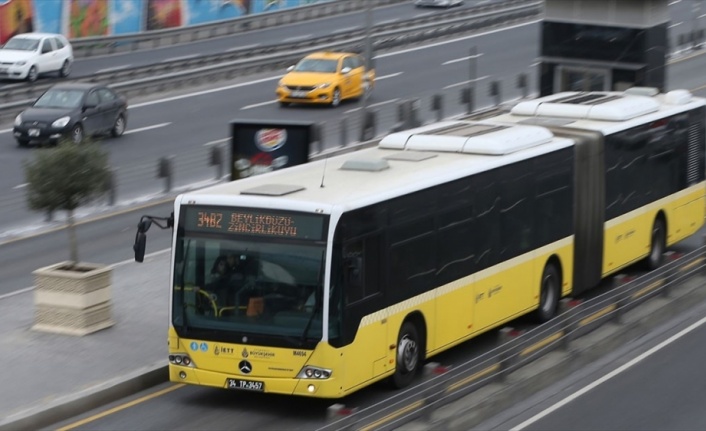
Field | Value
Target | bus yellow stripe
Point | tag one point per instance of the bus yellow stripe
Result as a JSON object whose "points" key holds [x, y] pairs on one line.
{"points": [[482, 373], [598, 315], [550, 339], [393, 415], [647, 289]]}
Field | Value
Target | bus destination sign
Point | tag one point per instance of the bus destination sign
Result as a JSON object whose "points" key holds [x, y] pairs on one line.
{"points": [[246, 221]]}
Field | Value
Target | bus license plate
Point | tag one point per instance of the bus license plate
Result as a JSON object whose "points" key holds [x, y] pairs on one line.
{"points": [[247, 385]]}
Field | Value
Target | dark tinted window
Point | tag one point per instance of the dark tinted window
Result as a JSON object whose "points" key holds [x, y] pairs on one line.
{"points": [[92, 98], [106, 95], [47, 46], [59, 44]]}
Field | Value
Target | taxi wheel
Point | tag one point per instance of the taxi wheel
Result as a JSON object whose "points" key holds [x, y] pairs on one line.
{"points": [[283, 104], [336, 98]]}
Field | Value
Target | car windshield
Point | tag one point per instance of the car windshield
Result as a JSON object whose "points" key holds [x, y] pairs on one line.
{"points": [[57, 98], [316, 65], [22, 44]]}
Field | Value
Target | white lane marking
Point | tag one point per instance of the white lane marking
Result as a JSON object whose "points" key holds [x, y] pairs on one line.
{"points": [[113, 266], [674, 2], [112, 69], [183, 57], [392, 75], [350, 111], [216, 142], [456, 60], [256, 105], [142, 129], [702, 15], [295, 38], [608, 376], [674, 25], [466, 82], [388, 21], [20, 186], [237, 48], [203, 92], [445, 42]]}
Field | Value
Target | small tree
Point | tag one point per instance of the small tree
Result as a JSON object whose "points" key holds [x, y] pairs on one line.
{"points": [[65, 177]]}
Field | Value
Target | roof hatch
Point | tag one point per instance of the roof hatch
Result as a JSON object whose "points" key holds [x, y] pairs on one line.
{"points": [[467, 137], [589, 106]]}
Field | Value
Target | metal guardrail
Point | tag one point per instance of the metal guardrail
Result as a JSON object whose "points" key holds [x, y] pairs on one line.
{"points": [[94, 46], [576, 320], [162, 76]]}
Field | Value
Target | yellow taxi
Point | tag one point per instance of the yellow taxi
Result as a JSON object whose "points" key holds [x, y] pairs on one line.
{"points": [[325, 78]]}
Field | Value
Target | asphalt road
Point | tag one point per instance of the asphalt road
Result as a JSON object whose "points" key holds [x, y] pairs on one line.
{"points": [[653, 383]]}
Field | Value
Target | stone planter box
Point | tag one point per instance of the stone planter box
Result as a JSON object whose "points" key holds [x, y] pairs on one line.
{"points": [[72, 300]]}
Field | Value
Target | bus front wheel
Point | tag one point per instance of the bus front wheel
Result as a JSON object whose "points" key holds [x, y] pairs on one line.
{"points": [[549, 293], [407, 356]]}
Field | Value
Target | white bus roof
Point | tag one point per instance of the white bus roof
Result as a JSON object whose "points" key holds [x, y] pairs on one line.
{"points": [[402, 163], [605, 112]]}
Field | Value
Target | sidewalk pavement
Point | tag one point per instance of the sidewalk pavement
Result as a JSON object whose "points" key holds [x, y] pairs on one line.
{"points": [[48, 377]]}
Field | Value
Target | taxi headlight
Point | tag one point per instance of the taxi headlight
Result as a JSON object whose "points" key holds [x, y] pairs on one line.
{"points": [[324, 85]]}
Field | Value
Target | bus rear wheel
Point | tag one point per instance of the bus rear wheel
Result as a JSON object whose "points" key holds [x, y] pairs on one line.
{"points": [[549, 293], [657, 246], [408, 357]]}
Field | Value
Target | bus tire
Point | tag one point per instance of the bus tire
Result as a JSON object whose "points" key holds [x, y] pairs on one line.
{"points": [[549, 293], [407, 356], [657, 245]]}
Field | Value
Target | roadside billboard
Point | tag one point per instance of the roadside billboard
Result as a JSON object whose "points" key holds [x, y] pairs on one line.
{"points": [[260, 146]]}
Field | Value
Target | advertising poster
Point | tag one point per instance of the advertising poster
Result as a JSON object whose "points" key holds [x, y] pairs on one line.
{"points": [[164, 14], [200, 11], [48, 18], [126, 16], [88, 18], [258, 147], [15, 18]]}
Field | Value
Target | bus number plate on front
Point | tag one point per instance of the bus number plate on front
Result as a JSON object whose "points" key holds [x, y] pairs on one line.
{"points": [[246, 385]]}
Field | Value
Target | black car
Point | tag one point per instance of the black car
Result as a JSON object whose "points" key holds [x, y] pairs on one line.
{"points": [[71, 110]]}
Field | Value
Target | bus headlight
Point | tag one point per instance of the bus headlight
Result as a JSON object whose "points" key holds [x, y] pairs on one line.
{"points": [[309, 372], [181, 359]]}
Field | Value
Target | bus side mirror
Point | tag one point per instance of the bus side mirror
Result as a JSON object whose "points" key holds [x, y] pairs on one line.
{"points": [[139, 246]]}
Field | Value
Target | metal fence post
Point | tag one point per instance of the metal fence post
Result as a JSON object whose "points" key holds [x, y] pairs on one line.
{"points": [[110, 187], [367, 131], [437, 105], [467, 95], [216, 160], [618, 282], [164, 170], [344, 131]]}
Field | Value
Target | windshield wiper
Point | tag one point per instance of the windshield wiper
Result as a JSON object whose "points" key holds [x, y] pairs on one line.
{"points": [[318, 299], [184, 315]]}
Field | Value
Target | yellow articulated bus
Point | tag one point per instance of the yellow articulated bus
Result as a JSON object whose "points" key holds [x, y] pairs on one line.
{"points": [[320, 279]]}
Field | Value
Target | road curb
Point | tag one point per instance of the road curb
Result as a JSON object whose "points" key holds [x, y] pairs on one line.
{"points": [[86, 400]]}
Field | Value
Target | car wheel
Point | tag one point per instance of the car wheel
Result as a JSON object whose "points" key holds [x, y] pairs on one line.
{"points": [[65, 69], [22, 143], [119, 126], [32, 75], [283, 104], [336, 98], [77, 134]]}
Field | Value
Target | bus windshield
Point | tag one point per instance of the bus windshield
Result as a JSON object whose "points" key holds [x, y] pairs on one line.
{"points": [[239, 289]]}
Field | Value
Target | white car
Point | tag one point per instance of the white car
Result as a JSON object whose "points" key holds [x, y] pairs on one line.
{"points": [[27, 55], [437, 3]]}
